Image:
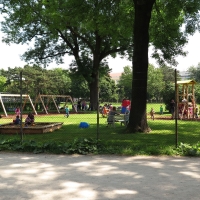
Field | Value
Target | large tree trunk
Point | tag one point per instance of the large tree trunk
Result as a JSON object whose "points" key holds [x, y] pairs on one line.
{"points": [[93, 86], [138, 118]]}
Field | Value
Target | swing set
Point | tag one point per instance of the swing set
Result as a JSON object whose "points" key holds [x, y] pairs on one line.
{"points": [[40, 97], [50, 98], [25, 97]]}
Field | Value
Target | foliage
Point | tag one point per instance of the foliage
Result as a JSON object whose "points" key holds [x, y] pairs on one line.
{"points": [[37, 80], [79, 86], [168, 73], [160, 141], [92, 30], [158, 79], [125, 82], [85, 29], [197, 93], [189, 150], [86, 146], [194, 73], [155, 84], [170, 25], [2, 83], [78, 146], [158, 23], [107, 89], [55, 81], [168, 94]]}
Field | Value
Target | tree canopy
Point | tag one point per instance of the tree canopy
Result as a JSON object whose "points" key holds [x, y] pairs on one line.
{"points": [[155, 83], [91, 30], [2, 83], [125, 82], [57, 81], [88, 30], [194, 72], [166, 25]]}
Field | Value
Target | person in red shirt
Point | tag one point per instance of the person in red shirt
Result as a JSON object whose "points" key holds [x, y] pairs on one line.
{"points": [[125, 105]]}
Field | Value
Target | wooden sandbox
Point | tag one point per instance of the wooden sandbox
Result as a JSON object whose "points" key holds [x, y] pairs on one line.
{"points": [[36, 128]]}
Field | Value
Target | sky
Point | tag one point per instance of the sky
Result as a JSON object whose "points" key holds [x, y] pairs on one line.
{"points": [[10, 57]]}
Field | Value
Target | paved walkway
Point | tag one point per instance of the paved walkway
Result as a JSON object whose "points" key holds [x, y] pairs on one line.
{"points": [[57, 177]]}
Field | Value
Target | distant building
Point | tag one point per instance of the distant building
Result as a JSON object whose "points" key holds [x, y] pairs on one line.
{"points": [[115, 76], [184, 75]]}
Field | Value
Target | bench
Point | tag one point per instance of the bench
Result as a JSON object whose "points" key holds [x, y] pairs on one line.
{"points": [[123, 119]]}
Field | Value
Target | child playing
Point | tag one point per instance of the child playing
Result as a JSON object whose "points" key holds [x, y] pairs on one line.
{"points": [[17, 120], [17, 111], [29, 120], [197, 112], [111, 115], [152, 112], [67, 111]]}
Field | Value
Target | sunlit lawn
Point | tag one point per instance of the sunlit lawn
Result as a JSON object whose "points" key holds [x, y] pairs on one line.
{"points": [[163, 131]]}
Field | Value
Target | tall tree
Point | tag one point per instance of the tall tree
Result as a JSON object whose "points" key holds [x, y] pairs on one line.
{"points": [[89, 30], [138, 120], [160, 23], [96, 28]]}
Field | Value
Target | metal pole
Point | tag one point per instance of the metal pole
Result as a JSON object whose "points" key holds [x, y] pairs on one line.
{"points": [[21, 129], [97, 105], [176, 109]]}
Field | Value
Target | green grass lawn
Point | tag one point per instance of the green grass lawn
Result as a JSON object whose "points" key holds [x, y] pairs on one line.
{"points": [[163, 131], [159, 140]]}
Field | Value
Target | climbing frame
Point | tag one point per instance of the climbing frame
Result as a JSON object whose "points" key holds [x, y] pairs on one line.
{"points": [[185, 98]]}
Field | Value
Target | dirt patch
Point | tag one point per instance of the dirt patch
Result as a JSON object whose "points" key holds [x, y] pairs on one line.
{"points": [[76, 177]]}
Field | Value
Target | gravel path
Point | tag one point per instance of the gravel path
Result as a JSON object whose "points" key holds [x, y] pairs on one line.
{"points": [[56, 177]]}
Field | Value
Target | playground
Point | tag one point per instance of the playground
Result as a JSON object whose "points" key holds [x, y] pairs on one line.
{"points": [[41, 101], [35, 127], [185, 100], [162, 127]]}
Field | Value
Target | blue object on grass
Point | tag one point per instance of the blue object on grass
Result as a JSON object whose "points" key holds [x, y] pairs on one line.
{"points": [[84, 125]]}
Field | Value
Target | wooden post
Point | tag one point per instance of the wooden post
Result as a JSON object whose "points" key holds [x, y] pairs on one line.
{"points": [[32, 104], [55, 104], [3, 106]]}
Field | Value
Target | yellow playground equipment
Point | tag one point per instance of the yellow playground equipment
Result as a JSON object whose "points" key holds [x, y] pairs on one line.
{"points": [[185, 99]]}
